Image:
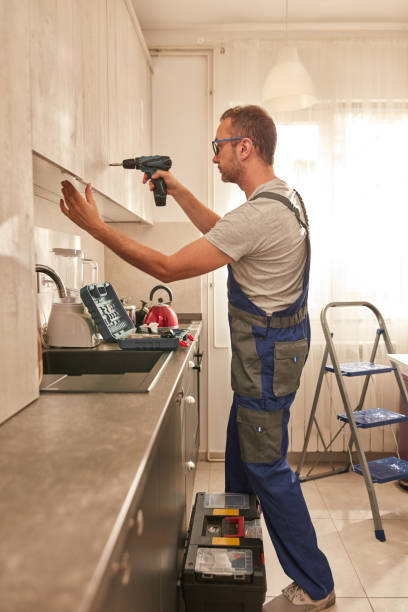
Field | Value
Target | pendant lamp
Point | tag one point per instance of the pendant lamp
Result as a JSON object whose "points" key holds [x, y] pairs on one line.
{"points": [[288, 85]]}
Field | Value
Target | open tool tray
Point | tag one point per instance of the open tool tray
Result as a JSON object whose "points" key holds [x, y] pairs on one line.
{"points": [[115, 325], [144, 342]]}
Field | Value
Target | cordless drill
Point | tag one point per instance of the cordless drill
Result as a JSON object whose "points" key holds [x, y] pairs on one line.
{"points": [[149, 164]]}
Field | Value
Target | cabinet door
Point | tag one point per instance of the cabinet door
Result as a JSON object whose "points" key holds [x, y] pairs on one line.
{"points": [[135, 585], [56, 82], [126, 67], [145, 200], [18, 352], [172, 499], [191, 430], [95, 100], [145, 573]]}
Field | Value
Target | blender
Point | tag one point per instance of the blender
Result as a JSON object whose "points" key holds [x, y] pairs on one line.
{"points": [[69, 325], [69, 264]]}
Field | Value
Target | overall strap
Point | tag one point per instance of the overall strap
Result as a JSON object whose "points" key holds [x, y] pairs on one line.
{"points": [[305, 225], [288, 204]]}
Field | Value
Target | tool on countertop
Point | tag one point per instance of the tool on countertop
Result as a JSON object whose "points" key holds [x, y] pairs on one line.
{"points": [[115, 325], [150, 164], [167, 332]]}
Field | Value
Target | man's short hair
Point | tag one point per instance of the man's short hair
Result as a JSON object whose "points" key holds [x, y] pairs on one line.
{"points": [[254, 122]]}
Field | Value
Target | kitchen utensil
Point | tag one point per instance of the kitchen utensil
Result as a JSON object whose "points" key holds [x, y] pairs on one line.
{"points": [[141, 313], [130, 310], [161, 312], [70, 264], [70, 326]]}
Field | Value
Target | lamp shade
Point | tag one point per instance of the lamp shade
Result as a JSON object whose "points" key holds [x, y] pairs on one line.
{"points": [[288, 85]]}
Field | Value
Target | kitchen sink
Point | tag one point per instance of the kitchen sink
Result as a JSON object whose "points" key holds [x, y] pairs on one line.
{"points": [[106, 368]]}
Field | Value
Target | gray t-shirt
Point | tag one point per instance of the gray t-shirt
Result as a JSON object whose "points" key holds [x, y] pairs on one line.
{"points": [[267, 245]]}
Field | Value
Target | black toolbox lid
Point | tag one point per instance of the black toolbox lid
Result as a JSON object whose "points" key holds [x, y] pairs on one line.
{"points": [[107, 311]]}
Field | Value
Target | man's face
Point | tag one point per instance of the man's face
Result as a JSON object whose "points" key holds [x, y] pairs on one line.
{"points": [[226, 159]]}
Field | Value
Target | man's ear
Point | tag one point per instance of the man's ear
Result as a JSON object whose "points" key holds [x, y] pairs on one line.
{"points": [[245, 148]]}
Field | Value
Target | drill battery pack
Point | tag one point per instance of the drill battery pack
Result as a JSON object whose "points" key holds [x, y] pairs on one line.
{"points": [[223, 565]]}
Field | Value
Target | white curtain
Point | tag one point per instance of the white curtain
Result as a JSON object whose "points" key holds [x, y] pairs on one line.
{"points": [[347, 156]]}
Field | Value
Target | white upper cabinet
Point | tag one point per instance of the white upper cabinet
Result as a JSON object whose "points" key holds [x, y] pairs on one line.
{"points": [[95, 92], [57, 82], [129, 129], [91, 96]]}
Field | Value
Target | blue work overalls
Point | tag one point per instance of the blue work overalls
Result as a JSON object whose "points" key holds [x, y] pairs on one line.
{"points": [[268, 355]]}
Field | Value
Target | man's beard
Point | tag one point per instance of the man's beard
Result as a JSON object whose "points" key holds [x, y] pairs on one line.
{"points": [[231, 175]]}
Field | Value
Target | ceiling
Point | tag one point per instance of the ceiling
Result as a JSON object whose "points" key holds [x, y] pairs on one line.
{"points": [[181, 14]]}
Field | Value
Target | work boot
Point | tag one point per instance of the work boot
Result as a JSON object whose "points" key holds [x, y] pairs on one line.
{"points": [[295, 599]]}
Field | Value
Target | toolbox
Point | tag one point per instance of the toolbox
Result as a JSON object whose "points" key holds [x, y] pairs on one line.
{"points": [[223, 565], [115, 325]]}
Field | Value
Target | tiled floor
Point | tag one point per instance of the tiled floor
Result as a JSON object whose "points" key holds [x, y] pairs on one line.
{"points": [[369, 575]]}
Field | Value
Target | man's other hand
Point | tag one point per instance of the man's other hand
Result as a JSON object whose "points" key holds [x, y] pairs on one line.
{"points": [[81, 211]]}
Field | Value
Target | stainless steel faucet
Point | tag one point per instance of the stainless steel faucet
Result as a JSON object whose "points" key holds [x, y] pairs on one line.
{"points": [[62, 292]]}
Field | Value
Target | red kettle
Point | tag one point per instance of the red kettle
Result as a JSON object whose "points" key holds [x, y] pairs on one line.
{"points": [[161, 313]]}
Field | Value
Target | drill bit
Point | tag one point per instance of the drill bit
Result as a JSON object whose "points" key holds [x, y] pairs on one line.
{"points": [[119, 164]]}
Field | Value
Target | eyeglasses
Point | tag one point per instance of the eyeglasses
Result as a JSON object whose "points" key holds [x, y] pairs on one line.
{"points": [[216, 148]]}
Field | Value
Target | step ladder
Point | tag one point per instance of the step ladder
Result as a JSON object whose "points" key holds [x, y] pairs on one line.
{"points": [[381, 470]]}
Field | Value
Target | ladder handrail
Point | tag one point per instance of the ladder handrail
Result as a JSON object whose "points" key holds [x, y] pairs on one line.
{"points": [[323, 317], [381, 323]]}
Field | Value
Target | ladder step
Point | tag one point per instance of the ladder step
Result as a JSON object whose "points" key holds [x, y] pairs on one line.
{"points": [[375, 417], [385, 470], [361, 368]]}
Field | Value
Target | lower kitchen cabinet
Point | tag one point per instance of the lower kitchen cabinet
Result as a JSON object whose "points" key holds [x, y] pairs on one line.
{"points": [[135, 575], [146, 565], [171, 507], [191, 409]]}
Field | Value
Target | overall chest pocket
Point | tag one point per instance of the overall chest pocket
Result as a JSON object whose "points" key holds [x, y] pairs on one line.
{"points": [[289, 359], [260, 435]]}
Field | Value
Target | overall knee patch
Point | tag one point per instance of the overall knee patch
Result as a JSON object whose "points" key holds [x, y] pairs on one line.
{"points": [[260, 434]]}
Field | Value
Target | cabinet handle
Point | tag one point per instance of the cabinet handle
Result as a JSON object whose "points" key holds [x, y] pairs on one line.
{"points": [[190, 399], [139, 522], [125, 569], [190, 466]]}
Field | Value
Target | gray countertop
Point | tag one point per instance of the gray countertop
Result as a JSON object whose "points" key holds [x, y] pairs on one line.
{"points": [[67, 465]]}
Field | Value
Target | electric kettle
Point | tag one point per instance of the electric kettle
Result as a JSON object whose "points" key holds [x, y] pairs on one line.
{"points": [[161, 312]]}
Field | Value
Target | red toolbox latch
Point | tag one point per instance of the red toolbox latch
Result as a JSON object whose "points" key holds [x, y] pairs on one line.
{"points": [[239, 530]]}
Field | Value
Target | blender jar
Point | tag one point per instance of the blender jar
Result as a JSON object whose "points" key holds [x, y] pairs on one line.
{"points": [[69, 264]]}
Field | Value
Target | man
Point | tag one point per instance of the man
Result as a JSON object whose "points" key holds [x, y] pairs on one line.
{"points": [[265, 243]]}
